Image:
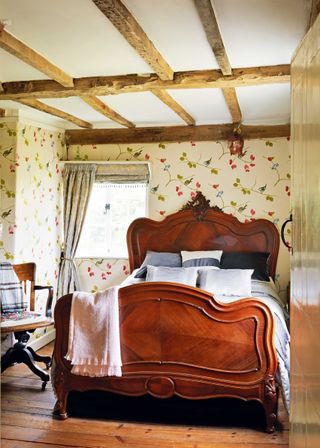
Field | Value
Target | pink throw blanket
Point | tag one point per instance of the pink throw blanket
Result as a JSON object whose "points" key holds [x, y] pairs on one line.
{"points": [[94, 334]]}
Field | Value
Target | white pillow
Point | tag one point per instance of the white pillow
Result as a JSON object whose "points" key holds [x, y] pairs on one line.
{"points": [[201, 258], [187, 276], [226, 282]]}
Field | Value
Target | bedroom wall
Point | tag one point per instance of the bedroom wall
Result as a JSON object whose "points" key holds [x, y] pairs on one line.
{"points": [[31, 174], [39, 199], [8, 161], [256, 185]]}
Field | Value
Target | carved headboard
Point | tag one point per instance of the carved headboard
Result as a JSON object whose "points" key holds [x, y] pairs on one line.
{"points": [[198, 226]]}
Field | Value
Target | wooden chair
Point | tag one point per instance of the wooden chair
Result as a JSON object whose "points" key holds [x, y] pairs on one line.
{"points": [[20, 353]]}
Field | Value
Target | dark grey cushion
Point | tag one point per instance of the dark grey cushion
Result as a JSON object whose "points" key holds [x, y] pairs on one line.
{"points": [[247, 260], [168, 259]]}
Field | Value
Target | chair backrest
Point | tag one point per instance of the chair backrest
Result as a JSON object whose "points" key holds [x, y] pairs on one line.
{"points": [[27, 272]]}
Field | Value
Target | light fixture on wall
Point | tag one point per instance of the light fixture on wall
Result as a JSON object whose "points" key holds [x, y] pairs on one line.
{"points": [[235, 142]]}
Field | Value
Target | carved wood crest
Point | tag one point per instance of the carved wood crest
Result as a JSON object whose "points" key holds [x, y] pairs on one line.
{"points": [[200, 205]]}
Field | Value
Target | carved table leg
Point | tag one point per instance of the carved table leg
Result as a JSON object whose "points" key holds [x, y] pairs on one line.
{"points": [[8, 359], [26, 357], [270, 403], [46, 359], [22, 355]]}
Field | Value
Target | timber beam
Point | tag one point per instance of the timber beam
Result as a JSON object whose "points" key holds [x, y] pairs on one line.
{"points": [[17, 48], [42, 107], [172, 134], [113, 85], [127, 25]]}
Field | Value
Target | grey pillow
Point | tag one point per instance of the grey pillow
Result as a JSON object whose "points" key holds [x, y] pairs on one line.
{"points": [[187, 276], [201, 258], [227, 282], [169, 259]]}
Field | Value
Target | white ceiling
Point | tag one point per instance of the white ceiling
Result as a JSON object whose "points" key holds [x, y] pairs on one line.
{"points": [[77, 37]]}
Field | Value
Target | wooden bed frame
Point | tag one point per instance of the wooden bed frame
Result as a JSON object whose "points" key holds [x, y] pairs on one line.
{"points": [[177, 339]]}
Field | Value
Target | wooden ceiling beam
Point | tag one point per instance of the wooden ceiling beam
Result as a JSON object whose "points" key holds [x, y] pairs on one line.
{"points": [[105, 110], [175, 106], [14, 46], [38, 105], [231, 98], [172, 134], [230, 95], [211, 27], [113, 85], [130, 29]]}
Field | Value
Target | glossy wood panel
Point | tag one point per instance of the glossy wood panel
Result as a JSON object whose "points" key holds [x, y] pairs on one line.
{"points": [[305, 285], [211, 230], [161, 357]]}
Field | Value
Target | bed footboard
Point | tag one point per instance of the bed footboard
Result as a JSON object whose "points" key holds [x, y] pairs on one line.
{"points": [[178, 340]]}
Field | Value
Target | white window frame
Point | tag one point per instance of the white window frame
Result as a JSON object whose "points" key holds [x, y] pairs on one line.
{"points": [[147, 192]]}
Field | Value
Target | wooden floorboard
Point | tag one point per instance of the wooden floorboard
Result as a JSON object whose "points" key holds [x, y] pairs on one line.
{"points": [[98, 421]]}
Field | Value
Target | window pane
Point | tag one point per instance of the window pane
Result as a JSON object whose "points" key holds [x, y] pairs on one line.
{"points": [[111, 209]]}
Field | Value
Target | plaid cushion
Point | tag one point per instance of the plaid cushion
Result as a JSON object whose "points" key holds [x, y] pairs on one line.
{"points": [[11, 292]]}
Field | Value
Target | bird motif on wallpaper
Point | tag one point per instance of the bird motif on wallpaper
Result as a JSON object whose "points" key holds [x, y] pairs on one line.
{"points": [[188, 181]]}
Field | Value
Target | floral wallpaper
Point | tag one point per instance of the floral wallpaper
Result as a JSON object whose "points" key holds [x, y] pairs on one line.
{"points": [[31, 211], [8, 163], [255, 185], [39, 200]]}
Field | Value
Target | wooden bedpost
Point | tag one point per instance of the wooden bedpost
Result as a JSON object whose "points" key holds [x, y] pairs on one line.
{"points": [[60, 407], [270, 402]]}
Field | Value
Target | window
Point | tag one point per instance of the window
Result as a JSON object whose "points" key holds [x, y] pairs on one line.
{"points": [[112, 207]]}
